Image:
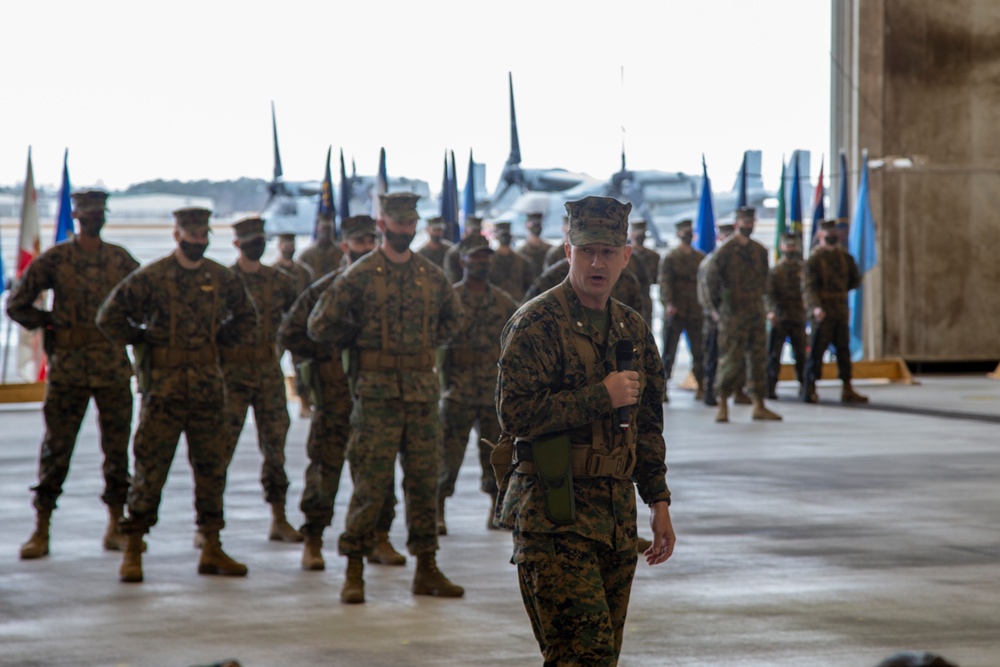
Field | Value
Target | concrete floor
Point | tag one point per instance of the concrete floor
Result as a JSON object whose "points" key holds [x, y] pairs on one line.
{"points": [[837, 537]]}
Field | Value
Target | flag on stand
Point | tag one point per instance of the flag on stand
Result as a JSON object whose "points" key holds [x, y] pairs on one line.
{"points": [[843, 206], [326, 208], [795, 212], [30, 364], [705, 240], [741, 197], [780, 219], [453, 181], [819, 208], [344, 210], [448, 213], [861, 245], [64, 223], [469, 194], [381, 185]]}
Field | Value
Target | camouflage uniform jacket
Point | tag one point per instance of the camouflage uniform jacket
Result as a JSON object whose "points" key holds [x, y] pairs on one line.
{"points": [[322, 260], [471, 357], [273, 293], [650, 260], [452, 265], [512, 273], [678, 280], [416, 312], [625, 290], [293, 333], [79, 281], [435, 253], [543, 388], [555, 254], [736, 278], [301, 273], [783, 295], [705, 299], [830, 273], [535, 253], [167, 306]]}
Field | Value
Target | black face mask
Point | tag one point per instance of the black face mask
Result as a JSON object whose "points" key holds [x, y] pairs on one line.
{"points": [[253, 250], [746, 231], [355, 256], [91, 227], [288, 254], [398, 242], [504, 238], [193, 251], [832, 239], [792, 254], [685, 238], [535, 229], [478, 270]]}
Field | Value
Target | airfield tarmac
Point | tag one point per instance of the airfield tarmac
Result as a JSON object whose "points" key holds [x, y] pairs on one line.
{"points": [[834, 538]]}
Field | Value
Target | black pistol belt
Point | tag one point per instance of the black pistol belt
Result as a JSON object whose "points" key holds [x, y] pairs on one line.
{"points": [[173, 357], [79, 337], [243, 354], [376, 360], [462, 358], [585, 461]]}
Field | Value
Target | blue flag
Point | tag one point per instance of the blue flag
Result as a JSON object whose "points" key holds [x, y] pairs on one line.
{"points": [[861, 245], [469, 194], [448, 212], [705, 239], [64, 223], [381, 185], [819, 209], [795, 209], [741, 197], [344, 209], [453, 181], [326, 209]]}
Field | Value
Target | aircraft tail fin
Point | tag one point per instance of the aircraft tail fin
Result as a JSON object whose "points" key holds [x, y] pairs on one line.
{"points": [[752, 179]]}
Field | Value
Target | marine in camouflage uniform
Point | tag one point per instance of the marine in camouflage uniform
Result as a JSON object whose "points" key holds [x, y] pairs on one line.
{"points": [[178, 311], [710, 321], [469, 376], [453, 258], [436, 245], [736, 279], [83, 363], [557, 252], [326, 444], [392, 308], [830, 273], [786, 312], [626, 290], [558, 375], [509, 271], [323, 255], [535, 247], [678, 280], [303, 276], [253, 373], [647, 257]]}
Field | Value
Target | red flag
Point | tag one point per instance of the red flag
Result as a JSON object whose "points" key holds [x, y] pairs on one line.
{"points": [[29, 354]]}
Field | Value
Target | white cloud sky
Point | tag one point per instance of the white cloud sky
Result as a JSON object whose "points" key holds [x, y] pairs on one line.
{"points": [[182, 90]]}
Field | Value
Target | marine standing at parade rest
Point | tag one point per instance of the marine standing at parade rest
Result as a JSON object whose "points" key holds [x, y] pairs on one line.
{"points": [[786, 312], [436, 245], [647, 257], [736, 280], [830, 273], [303, 277], [559, 395], [678, 280], [469, 376], [253, 373], [534, 247], [710, 325], [453, 258], [392, 308], [82, 363], [509, 271], [177, 312], [326, 444], [323, 255]]}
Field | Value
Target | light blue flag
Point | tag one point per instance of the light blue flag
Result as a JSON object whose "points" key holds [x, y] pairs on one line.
{"points": [[469, 194], [861, 245], [64, 223], [705, 239]]}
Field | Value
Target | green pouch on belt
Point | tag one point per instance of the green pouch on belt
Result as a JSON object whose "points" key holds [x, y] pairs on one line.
{"points": [[554, 468], [310, 378]]}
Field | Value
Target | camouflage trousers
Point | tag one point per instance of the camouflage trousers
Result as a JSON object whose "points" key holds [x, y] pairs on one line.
{"points": [[576, 596], [326, 446], [824, 333], [162, 419], [270, 413], [742, 349], [780, 332], [457, 421], [672, 328], [64, 409], [381, 429]]}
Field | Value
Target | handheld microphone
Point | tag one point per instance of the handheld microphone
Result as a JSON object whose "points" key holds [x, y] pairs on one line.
{"points": [[623, 360]]}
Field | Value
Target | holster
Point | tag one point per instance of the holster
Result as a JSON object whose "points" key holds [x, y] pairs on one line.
{"points": [[349, 359], [554, 467], [310, 378], [143, 358]]}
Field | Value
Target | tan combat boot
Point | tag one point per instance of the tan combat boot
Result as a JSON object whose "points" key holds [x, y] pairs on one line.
{"points": [[312, 554], [353, 591], [215, 561], [429, 580], [848, 395], [383, 553], [281, 530], [38, 544], [113, 540], [442, 528], [761, 413], [722, 416], [131, 569], [741, 398], [199, 540], [808, 393]]}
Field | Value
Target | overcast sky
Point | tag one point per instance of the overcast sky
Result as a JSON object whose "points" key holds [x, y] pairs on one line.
{"points": [[182, 90]]}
